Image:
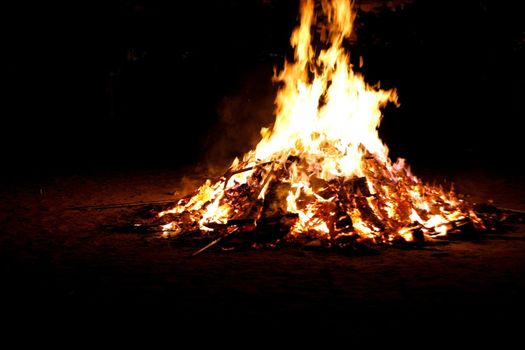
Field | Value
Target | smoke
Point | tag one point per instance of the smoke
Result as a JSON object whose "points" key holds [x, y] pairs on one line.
{"points": [[241, 115]]}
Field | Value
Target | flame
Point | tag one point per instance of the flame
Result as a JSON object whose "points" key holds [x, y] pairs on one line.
{"points": [[323, 160]]}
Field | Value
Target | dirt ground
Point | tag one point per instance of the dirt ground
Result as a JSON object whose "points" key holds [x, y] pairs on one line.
{"points": [[57, 260]]}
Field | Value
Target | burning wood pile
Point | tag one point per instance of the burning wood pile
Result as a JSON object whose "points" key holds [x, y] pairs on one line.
{"points": [[321, 172]]}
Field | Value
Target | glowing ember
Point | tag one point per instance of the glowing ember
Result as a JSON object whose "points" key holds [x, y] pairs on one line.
{"points": [[322, 171]]}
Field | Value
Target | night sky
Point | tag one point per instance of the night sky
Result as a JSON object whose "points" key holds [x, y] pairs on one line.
{"points": [[126, 84]]}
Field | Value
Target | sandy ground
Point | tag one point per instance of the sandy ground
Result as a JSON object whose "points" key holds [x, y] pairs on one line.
{"points": [[57, 260]]}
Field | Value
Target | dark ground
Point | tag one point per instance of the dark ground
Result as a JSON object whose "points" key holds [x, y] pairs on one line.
{"points": [[62, 269], [110, 102]]}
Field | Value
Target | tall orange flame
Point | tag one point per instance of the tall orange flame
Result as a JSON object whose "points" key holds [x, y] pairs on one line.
{"points": [[323, 157]]}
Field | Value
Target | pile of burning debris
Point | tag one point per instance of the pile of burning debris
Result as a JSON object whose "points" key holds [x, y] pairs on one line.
{"points": [[268, 208], [321, 175]]}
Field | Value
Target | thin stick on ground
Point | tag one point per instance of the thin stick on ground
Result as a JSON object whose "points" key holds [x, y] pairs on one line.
{"points": [[121, 205], [207, 246]]}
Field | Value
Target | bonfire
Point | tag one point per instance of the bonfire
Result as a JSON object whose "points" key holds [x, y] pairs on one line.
{"points": [[321, 172]]}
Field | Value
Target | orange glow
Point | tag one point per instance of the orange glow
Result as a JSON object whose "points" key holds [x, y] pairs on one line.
{"points": [[323, 160]]}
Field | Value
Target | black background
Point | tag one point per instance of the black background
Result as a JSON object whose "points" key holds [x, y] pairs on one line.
{"points": [[134, 84], [96, 85]]}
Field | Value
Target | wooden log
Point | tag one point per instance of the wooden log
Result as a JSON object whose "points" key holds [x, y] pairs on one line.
{"points": [[227, 176]]}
